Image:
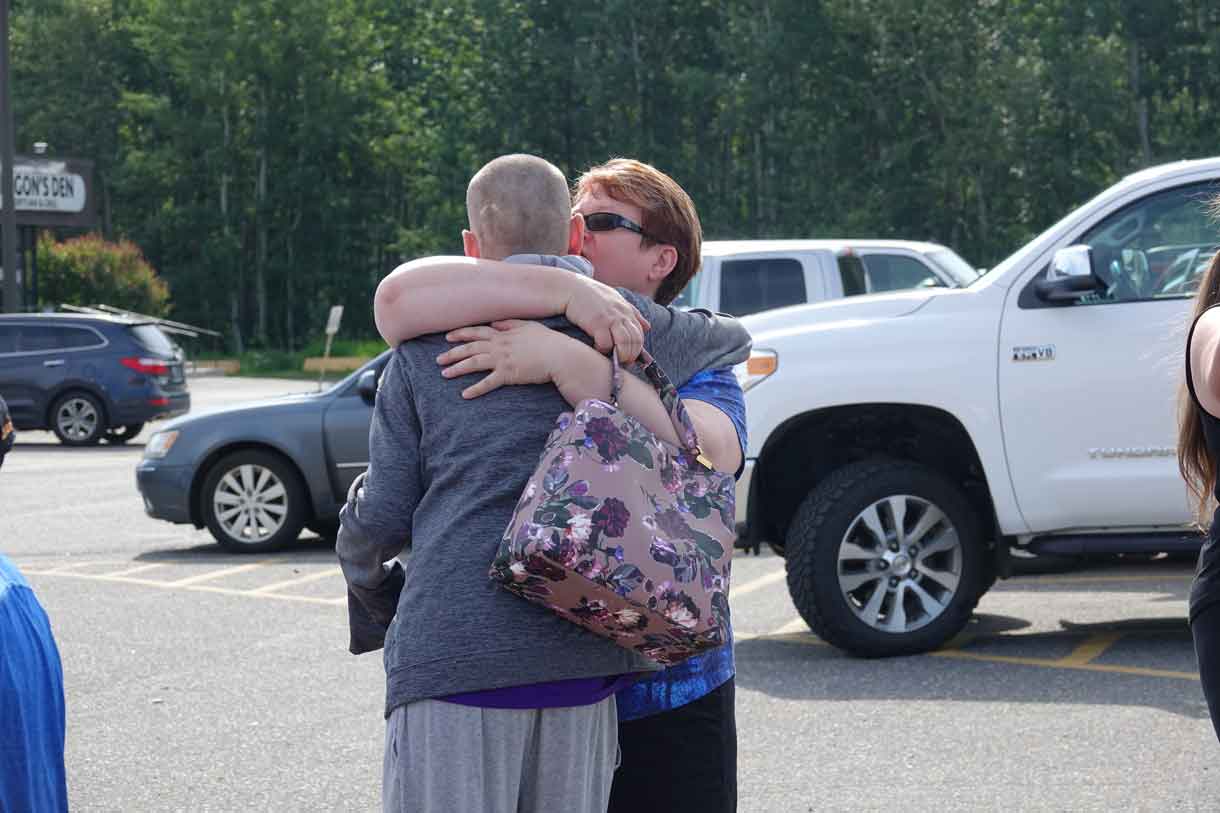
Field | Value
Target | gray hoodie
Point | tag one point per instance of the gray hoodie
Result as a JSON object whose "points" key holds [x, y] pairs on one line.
{"points": [[444, 476]]}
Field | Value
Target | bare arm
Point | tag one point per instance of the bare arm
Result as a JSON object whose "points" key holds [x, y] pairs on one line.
{"points": [[529, 353], [581, 372], [717, 435], [1205, 361], [442, 293]]}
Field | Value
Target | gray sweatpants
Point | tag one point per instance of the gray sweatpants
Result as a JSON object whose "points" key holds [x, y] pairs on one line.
{"points": [[446, 758]]}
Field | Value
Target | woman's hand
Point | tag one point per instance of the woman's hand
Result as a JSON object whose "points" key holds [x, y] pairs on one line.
{"points": [[611, 321], [514, 351]]}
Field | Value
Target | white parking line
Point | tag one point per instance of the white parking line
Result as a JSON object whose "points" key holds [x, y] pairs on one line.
{"points": [[218, 574], [312, 577]]}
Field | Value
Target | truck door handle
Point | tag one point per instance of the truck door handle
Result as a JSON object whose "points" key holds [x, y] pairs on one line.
{"points": [[54, 363]]}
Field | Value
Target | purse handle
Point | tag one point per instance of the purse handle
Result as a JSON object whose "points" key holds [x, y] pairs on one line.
{"points": [[669, 397]]}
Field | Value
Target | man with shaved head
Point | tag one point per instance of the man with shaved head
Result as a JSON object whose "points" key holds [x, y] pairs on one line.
{"points": [[517, 204], [494, 703]]}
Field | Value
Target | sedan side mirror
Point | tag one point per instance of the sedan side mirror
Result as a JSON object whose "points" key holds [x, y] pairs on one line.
{"points": [[1072, 275], [366, 385]]}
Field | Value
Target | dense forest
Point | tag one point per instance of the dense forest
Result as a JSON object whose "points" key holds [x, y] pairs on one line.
{"points": [[273, 157]]}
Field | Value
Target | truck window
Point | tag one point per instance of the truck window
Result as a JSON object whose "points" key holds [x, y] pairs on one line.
{"points": [[1155, 248], [750, 286], [897, 272]]}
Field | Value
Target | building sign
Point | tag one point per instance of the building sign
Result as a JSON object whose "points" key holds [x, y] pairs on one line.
{"points": [[53, 192], [43, 189]]}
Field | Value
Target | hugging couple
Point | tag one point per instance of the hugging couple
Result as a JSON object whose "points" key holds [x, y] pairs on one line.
{"points": [[494, 703]]}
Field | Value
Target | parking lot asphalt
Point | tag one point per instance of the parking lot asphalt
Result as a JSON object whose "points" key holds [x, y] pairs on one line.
{"points": [[199, 680]]}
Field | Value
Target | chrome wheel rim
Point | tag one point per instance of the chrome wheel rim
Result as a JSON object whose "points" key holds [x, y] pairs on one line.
{"points": [[250, 503], [900, 564], [77, 419]]}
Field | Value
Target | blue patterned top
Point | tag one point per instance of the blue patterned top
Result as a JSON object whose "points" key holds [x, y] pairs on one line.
{"points": [[697, 676]]}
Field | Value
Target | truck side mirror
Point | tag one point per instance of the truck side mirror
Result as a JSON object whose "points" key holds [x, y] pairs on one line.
{"points": [[1072, 275]]}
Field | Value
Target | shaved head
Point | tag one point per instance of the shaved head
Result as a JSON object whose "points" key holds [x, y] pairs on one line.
{"points": [[519, 204]]}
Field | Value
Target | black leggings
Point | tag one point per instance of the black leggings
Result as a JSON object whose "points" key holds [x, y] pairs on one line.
{"points": [[1206, 631]]}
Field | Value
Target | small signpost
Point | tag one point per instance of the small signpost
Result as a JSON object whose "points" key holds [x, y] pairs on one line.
{"points": [[332, 327]]}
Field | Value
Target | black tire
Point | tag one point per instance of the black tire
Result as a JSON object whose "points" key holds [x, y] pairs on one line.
{"points": [[291, 505], [82, 432], [820, 528], [118, 435]]}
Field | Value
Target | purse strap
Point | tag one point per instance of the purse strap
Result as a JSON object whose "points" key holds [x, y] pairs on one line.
{"points": [[669, 397]]}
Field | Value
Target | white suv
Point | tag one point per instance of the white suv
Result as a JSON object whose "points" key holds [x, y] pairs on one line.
{"points": [[741, 277], [901, 443]]}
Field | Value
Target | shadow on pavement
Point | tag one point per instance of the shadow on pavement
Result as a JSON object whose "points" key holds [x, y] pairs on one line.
{"points": [[828, 674], [309, 548]]}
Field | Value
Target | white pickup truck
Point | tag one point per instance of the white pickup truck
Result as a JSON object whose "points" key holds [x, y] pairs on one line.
{"points": [[900, 444], [742, 277]]}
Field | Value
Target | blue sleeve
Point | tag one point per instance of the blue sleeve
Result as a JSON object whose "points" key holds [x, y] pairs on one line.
{"points": [[719, 388]]}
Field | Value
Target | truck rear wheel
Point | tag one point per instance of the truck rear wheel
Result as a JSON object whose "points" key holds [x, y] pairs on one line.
{"points": [[886, 557]]}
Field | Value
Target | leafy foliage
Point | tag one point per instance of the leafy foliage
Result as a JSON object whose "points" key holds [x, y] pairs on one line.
{"points": [[89, 271], [274, 158]]}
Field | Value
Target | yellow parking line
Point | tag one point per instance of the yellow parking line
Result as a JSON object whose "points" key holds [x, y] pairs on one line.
{"points": [[217, 574], [1092, 647], [756, 584], [133, 570], [1023, 580], [60, 569], [312, 577], [1060, 664], [199, 588], [796, 632], [228, 591], [795, 625]]}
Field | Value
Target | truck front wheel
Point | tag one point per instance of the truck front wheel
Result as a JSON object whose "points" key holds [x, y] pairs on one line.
{"points": [[886, 557]]}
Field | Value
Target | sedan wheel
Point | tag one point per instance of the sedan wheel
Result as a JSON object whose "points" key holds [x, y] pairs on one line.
{"points": [[77, 419], [253, 501]]}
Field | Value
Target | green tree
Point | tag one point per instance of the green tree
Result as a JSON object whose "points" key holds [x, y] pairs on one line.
{"points": [[91, 270]]}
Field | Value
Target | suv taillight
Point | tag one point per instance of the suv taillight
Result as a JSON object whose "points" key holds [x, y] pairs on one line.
{"points": [[146, 366]]}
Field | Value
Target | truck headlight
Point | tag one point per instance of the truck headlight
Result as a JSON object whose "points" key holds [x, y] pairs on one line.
{"points": [[159, 444], [761, 365]]}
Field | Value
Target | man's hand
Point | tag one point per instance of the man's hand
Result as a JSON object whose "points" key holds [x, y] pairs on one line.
{"points": [[516, 352], [611, 320]]}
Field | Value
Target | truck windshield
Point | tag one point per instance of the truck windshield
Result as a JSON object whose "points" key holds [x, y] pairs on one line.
{"points": [[957, 268]]}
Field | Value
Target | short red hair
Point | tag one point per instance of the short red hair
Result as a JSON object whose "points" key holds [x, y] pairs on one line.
{"points": [[669, 213]]}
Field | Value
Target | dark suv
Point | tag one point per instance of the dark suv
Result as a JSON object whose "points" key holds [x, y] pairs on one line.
{"points": [[89, 377]]}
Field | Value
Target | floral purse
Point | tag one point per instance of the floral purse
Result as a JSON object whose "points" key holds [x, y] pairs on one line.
{"points": [[623, 533]]}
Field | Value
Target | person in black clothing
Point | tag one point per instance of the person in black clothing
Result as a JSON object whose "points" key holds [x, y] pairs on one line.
{"points": [[7, 434], [1198, 453]]}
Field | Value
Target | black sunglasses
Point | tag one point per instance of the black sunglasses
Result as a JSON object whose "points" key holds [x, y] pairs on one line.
{"points": [[609, 221]]}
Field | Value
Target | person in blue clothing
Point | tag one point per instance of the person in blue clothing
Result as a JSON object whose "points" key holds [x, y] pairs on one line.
{"points": [[677, 728], [32, 720]]}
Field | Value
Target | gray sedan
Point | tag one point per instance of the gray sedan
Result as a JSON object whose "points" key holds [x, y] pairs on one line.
{"points": [[256, 474]]}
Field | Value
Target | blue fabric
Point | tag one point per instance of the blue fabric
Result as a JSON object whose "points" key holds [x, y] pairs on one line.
{"points": [[31, 702], [696, 677]]}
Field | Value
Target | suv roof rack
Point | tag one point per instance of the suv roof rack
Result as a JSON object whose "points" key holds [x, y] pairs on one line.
{"points": [[169, 326]]}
